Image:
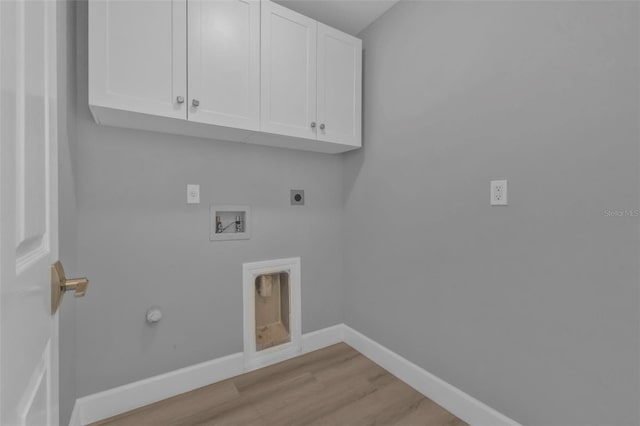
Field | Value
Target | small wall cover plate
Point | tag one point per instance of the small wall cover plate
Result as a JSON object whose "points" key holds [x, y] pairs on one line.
{"points": [[498, 192], [297, 197], [193, 193]]}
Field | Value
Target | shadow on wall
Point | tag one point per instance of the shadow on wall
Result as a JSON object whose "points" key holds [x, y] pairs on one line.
{"points": [[354, 160]]}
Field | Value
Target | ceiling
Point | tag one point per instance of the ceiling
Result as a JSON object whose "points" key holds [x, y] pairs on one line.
{"points": [[350, 16]]}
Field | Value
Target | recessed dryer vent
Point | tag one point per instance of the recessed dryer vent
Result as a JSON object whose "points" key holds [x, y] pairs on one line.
{"points": [[272, 310], [272, 316]]}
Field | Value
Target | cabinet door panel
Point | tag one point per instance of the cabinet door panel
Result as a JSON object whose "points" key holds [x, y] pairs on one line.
{"points": [[137, 55], [288, 103], [224, 62], [339, 87]]}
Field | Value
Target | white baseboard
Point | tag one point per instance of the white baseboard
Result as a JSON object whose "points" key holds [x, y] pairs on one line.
{"points": [[451, 398], [102, 405], [322, 338], [118, 400]]}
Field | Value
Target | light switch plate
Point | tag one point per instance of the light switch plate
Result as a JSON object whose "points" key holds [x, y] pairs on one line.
{"points": [[498, 192], [193, 194]]}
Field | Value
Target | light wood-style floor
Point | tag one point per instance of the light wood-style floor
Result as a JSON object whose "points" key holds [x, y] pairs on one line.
{"points": [[333, 386]]}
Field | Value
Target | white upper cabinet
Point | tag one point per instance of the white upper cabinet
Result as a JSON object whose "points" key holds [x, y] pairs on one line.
{"points": [[311, 83], [138, 56], [238, 70], [288, 85], [224, 62], [339, 87]]}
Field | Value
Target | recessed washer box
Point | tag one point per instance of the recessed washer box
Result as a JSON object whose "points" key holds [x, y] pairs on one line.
{"points": [[228, 222]]}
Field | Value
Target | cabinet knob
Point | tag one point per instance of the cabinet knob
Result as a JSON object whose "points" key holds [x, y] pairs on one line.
{"points": [[180, 99], [195, 103], [322, 126], [313, 124]]}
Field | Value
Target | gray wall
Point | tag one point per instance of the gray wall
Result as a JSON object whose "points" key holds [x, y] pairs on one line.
{"points": [[142, 245], [67, 201], [531, 308]]}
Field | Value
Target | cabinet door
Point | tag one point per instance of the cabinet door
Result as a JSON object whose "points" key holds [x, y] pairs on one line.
{"points": [[288, 101], [339, 87], [224, 62], [137, 55]]}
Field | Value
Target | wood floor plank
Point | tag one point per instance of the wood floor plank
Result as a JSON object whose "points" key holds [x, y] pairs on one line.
{"points": [[310, 362], [427, 413], [367, 409], [228, 412], [348, 367], [333, 386], [324, 402], [174, 410]]}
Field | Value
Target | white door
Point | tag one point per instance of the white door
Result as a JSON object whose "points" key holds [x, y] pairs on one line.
{"points": [[288, 89], [138, 56], [224, 62], [339, 87], [28, 213]]}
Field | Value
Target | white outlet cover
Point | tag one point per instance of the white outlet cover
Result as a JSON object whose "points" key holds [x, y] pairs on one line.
{"points": [[193, 194], [498, 192]]}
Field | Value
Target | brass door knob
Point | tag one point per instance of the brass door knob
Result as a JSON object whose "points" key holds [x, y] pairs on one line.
{"points": [[60, 285], [77, 285]]}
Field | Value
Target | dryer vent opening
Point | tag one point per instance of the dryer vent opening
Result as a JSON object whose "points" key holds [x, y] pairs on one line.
{"points": [[272, 310]]}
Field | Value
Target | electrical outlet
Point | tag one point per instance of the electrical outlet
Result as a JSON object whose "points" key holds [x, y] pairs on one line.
{"points": [[193, 194], [498, 192]]}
